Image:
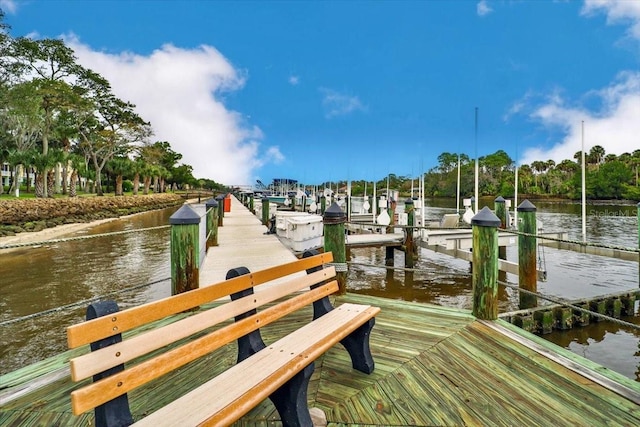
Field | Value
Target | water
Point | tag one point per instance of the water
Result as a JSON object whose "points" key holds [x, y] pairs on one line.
{"points": [[42, 278]]}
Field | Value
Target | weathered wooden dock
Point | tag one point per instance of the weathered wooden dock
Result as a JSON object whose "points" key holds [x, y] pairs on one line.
{"points": [[434, 366]]}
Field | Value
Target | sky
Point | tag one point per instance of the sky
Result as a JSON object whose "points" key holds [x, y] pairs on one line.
{"points": [[354, 90]]}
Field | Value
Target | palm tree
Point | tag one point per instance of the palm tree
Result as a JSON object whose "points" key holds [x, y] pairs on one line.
{"points": [[596, 155], [119, 166]]}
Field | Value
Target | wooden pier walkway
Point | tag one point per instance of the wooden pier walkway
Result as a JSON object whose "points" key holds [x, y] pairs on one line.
{"points": [[434, 366]]}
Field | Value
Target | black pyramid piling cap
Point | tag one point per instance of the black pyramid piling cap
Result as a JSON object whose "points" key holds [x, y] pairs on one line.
{"points": [[220, 197], [409, 201], [486, 218], [211, 203], [638, 205], [499, 199], [184, 215], [526, 206], [334, 215]]}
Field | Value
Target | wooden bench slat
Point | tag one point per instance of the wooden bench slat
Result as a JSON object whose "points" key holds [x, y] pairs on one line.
{"points": [[98, 361], [96, 329], [108, 388], [261, 374]]}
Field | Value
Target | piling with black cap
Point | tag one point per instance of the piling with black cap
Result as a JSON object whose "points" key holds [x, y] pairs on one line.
{"points": [[527, 267], [499, 206], [220, 200], [265, 211], [334, 241], [211, 206], [185, 250], [485, 264], [409, 244], [638, 206], [323, 204]]}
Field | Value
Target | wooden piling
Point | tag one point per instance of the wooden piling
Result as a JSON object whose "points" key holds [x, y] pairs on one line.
{"points": [[265, 211], [251, 203], [638, 206], [334, 241], [409, 245], [220, 200], [211, 206], [323, 204], [185, 250], [527, 268], [563, 317], [485, 264], [499, 205], [544, 320], [598, 306]]}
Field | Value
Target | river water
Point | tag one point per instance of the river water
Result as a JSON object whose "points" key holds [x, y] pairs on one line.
{"points": [[36, 279]]}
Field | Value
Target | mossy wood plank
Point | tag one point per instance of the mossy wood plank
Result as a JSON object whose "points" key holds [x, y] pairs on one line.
{"points": [[369, 407]]}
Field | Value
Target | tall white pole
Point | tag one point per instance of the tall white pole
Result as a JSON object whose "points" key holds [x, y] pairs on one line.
{"points": [[458, 187], [477, 173], [584, 191], [515, 195]]}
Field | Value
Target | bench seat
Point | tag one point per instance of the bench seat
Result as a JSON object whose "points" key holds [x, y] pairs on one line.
{"points": [[246, 384]]}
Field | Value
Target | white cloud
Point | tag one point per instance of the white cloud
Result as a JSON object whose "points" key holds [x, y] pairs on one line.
{"points": [[615, 126], [483, 8], [9, 6], [617, 11], [294, 80], [339, 104], [178, 91]]}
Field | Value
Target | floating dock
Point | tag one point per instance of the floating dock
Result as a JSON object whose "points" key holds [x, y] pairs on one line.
{"points": [[434, 366]]}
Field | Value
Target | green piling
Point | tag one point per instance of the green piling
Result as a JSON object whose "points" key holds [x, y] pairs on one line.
{"points": [[499, 205], [212, 222], [323, 204], [409, 244], [185, 250], [638, 206], [334, 241], [563, 317], [265, 211], [485, 264], [220, 200], [544, 321], [251, 204], [527, 268]]}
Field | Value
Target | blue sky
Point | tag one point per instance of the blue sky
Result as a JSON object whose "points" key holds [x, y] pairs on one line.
{"points": [[318, 91]]}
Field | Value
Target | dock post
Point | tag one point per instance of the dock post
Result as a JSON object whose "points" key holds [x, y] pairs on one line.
{"points": [[409, 246], [212, 222], [265, 211], [251, 204], [185, 250], [499, 205], [638, 206], [220, 200], [527, 268], [323, 204], [485, 264], [334, 241]]}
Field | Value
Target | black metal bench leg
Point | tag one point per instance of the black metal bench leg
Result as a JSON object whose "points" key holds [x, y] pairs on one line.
{"points": [[116, 412], [291, 400], [357, 344]]}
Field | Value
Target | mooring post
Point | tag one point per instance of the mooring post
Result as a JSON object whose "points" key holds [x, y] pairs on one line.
{"points": [[323, 204], [408, 237], [185, 250], [220, 200], [334, 241], [638, 206], [485, 264], [251, 205], [212, 222], [527, 268], [501, 212], [265, 211]]}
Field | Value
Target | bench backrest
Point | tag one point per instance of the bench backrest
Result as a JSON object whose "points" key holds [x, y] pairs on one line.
{"points": [[140, 344]]}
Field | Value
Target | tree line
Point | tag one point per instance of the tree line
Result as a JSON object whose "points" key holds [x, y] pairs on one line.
{"points": [[608, 176], [60, 118]]}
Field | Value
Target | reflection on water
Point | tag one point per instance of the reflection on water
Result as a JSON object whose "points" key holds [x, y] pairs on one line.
{"points": [[37, 279]]}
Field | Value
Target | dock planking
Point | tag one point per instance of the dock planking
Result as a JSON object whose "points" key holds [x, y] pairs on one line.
{"points": [[434, 366]]}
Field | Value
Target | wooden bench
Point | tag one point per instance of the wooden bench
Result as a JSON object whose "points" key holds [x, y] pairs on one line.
{"points": [[280, 370]]}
